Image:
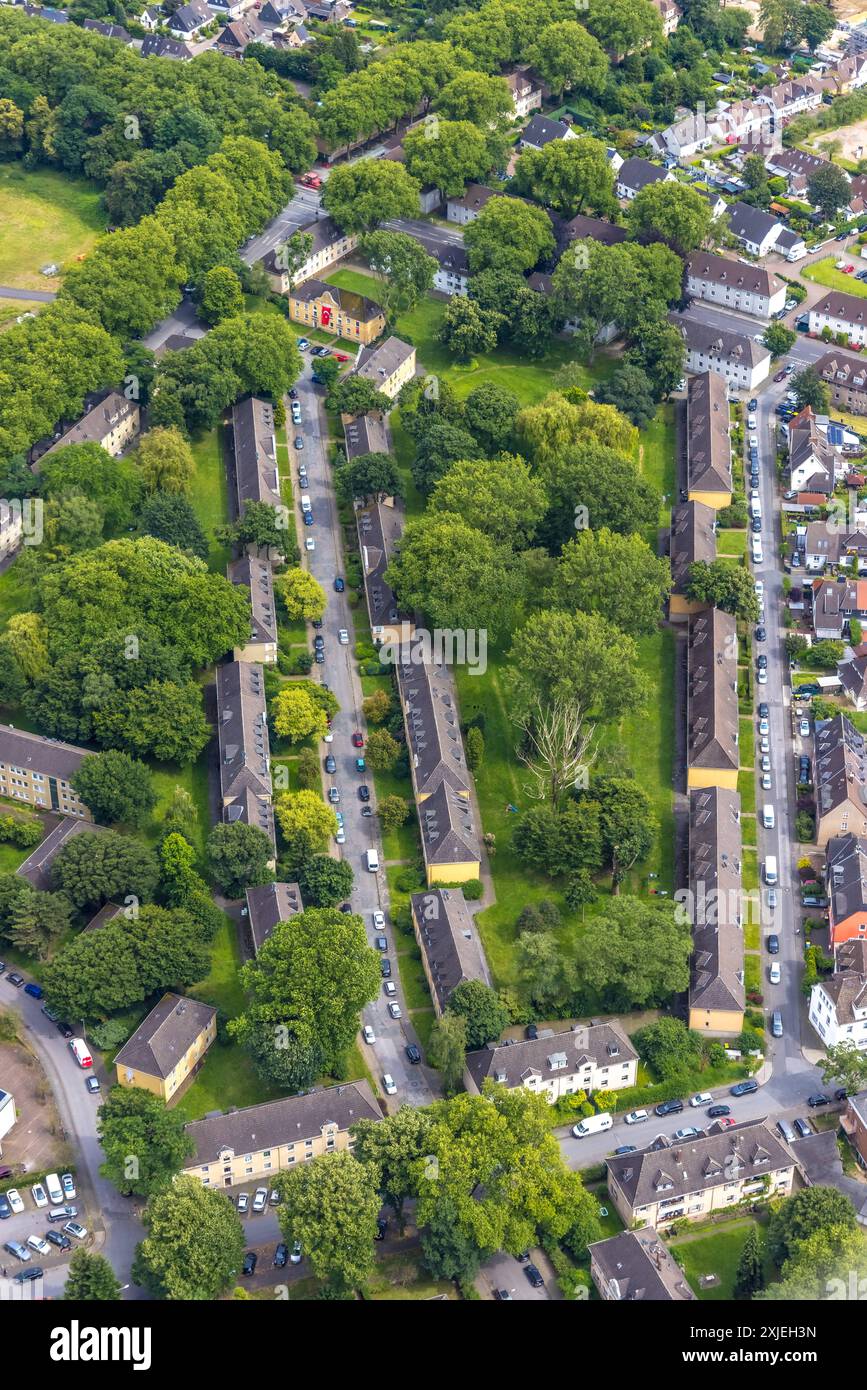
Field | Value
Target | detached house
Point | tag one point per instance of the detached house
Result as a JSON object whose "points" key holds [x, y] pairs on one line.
{"points": [[526, 93], [839, 769], [708, 441], [389, 365], [670, 14], [238, 33], [693, 538], [161, 46], [826, 544], [846, 888], [853, 678], [542, 130], [811, 456], [838, 1003], [842, 313], [598, 1057], [713, 756], [186, 22], [734, 285], [635, 174], [166, 1051], [707, 1174], [759, 233], [245, 753], [466, 208]]}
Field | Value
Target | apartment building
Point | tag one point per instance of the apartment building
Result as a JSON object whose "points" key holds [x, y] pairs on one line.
{"points": [[839, 778], [742, 362], [744, 288], [846, 890], [708, 441], [257, 477], [37, 867], [254, 1144], [691, 1180], [581, 228], [168, 1048], [635, 1267], [365, 434], [793, 97], [113, 423], [449, 941], [257, 577], [838, 1003], [245, 754], [347, 315], [716, 987], [39, 771], [328, 246], [465, 209], [846, 378], [713, 756], [267, 906], [587, 1057], [389, 365], [692, 539], [526, 93], [380, 526], [842, 313]]}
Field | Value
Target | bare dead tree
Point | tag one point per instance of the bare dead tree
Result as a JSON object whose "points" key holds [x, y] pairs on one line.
{"points": [[557, 749]]}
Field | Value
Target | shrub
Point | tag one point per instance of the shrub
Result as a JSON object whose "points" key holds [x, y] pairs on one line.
{"points": [[409, 881]]}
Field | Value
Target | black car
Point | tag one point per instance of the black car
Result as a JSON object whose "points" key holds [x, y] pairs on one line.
{"points": [[762, 662], [15, 979], [756, 525], [523, 1257], [381, 1228], [367, 810], [744, 1088], [24, 1276], [773, 945], [534, 1276], [716, 1112], [319, 640], [64, 1030], [319, 657], [803, 1128], [752, 407], [761, 635], [281, 1255], [624, 1149], [841, 1093], [59, 1239], [817, 1099], [251, 1259], [531, 1032], [330, 763], [385, 968], [364, 792], [669, 1107], [339, 585], [316, 623], [381, 943], [293, 394], [413, 1053], [764, 711], [804, 768]]}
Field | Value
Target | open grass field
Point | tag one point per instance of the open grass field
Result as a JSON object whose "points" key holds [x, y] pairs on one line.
{"points": [[45, 216], [209, 495], [825, 273]]}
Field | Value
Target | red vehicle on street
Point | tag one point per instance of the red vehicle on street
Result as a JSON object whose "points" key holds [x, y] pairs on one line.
{"points": [[310, 181], [357, 740]]}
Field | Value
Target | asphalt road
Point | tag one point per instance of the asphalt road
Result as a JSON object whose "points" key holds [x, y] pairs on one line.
{"points": [[36, 296], [370, 892], [99, 1204]]}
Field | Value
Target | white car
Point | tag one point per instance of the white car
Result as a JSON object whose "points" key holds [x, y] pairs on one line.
{"points": [[804, 728], [764, 727], [766, 763], [243, 1202], [379, 921], [260, 1199], [340, 837], [759, 588], [328, 738], [754, 494], [775, 974], [296, 412], [388, 1085], [762, 677], [343, 637], [39, 1194], [751, 422], [636, 1117], [701, 1098], [390, 987], [766, 781], [765, 745], [309, 543], [368, 1034], [39, 1245], [14, 1200], [394, 1009], [66, 1182], [754, 441]]}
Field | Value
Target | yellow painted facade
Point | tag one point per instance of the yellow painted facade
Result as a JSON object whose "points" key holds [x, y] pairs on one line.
{"points": [[166, 1087], [713, 777], [717, 500], [722, 1021]]}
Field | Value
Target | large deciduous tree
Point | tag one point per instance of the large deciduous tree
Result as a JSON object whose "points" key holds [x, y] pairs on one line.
{"points": [[194, 1243]]}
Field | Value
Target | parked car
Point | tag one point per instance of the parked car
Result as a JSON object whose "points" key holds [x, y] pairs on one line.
{"points": [[534, 1276], [413, 1053], [389, 1085], [773, 944], [364, 792], [59, 1239], [368, 1034], [701, 1098], [394, 1009], [295, 1257], [92, 1084], [251, 1259], [39, 1195], [333, 795], [803, 1127], [624, 1149], [260, 1199], [5, 1209], [775, 973], [13, 978], [68, 1185], [343, 637], [330, 763], [689, 1132], [817, 1099], [764, 727], [716, 1112], [39, 1245], [636, 1117], [385, 968], [669, 1107], [243, 1203], [339, 585], [357, 740], [14, 1200], [76, 1230], [281, 1255], [17, 1249], [744, 1088], [804, 728]]}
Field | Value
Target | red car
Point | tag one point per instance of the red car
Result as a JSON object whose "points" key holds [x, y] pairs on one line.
{"points": [[726, 1122], [848, 269], [311, 181], [357, 740], [341, 357], [781, 376]]}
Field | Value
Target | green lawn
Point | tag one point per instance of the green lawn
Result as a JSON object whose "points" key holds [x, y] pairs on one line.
{"points": [[194, 780], [732, 543], [45, 216], [825, 273], [716, 1253], [747, 789], [209, 496]]}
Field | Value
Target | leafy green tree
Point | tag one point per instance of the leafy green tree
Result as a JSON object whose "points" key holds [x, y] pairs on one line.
{"points": [[630, 390], [465, 330], [393, 812], [508, 235], [402, 267], [324, 881], [331, 1206], [301, 594], [810, 390], [383, 751], [263, 527], [91, 868], [567, 58], [145, 1143], [238, 856], [295, 716], [636, 953], [659, 350], [670, 1048], [554, 429], [169, 517], [671, 212], [115, 484], [778, 339], [489, 415], [845, 1065], [440, 443], [828, 190], [457, 575], [370, 475], [750, 1275], [577, 657], [166, 461], [162, 719], [361, 195], [723, 586], [310, 981], [357, 395], [221, 294], [803, 1215], [391, 1148], [129, 281], [194, 1243], [447, 156], [446, 1050], [115, 787], [38, 921], [617, 577], [475, 742], [482, 1010], [477, 97], [91, 1279], [306, 821]]}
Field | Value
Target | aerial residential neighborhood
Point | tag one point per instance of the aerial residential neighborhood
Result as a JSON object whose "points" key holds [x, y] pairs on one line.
{"points": [[433, 663]]}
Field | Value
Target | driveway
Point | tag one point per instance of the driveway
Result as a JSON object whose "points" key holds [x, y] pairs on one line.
{"points": [[370, 891], [504, 1273]]}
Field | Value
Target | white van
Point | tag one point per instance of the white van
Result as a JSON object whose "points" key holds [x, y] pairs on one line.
{"points": [[758, 554], [372, 861], [770, 869], [53, 1188], [594, 1124], [305, 503], [755, 507], [768, 817], [81, 1052]]}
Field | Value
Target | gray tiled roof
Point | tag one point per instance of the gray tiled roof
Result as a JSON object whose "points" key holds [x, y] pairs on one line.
{"points": [[449, 834], [846, 878], [839, 766], [242, 728], [636, 1267], [379, 527], [745, 1151], [277, 1122], [166, 1035], [715, 850], [593, 228], [37, 866], [268, 905], [258, 578], [728, 348], [541, 130], [449, 940], [846, 307], [638, 173], [602, 1044], [692, 539], [99, 421], [712, 701], [708, 440], [433, 727], [365, 434], [379, 362], [751, 223], [722, 270], [50, 756], [255, 449]]}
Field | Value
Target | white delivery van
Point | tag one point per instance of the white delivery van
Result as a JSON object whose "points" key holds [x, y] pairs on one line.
{"points": [[758, 554], [594, 1124], [81, 1052], [372, 861], [768, 817], [770, 869], [755, 507], [53, 1188]]}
